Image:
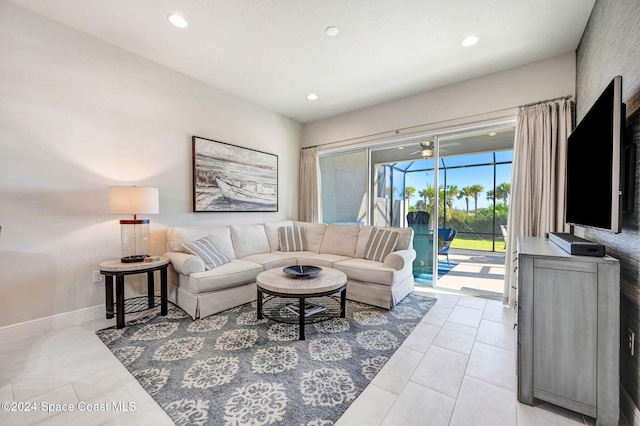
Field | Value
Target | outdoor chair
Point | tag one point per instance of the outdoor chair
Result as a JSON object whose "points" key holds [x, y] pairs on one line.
{"points": [[419, 221], [445, 236]]}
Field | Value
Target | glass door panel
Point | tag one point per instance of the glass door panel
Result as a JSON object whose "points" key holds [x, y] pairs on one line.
{"points": [[403, 196], [344, 187]]}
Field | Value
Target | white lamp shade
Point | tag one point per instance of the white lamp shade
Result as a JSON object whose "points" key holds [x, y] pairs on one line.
{"points": [[133, 200]]}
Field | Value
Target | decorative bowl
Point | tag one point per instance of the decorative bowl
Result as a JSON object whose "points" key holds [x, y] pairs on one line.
{"points": [[301, 271]]}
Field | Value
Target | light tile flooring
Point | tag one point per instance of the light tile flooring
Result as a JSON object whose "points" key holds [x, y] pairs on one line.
{"points": [[456, 368]]}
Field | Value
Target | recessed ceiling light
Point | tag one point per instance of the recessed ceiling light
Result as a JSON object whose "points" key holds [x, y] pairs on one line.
{"points": [[401, 147], [492, 133], [470, 41], [332, 31], [312, 96], [177, 20]]}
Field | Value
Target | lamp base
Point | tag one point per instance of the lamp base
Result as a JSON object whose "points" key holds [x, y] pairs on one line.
{"points": [[133, 259]]}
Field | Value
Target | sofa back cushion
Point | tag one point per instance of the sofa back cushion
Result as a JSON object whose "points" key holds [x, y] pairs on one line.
{"points": [[405, 237], [271, 228], [220, 235], [339, 239], [249, 240], [315, 234]]}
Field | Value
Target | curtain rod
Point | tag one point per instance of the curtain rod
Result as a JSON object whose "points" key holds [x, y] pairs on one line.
{"points": [[548, 100], [398, 131], [404, 129]]}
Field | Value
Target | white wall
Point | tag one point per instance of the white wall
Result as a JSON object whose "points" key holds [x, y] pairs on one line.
{"points": [[78, 115], [491, 97]]}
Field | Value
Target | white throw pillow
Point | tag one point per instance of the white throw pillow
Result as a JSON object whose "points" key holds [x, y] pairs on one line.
{"points": [[207, 251], [381, 242]]}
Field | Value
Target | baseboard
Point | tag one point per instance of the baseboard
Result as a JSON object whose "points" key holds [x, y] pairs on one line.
{"points": [[628, 408], [53, 322]]}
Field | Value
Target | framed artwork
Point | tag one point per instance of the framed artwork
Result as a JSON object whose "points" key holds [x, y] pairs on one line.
{"points": [[230, 178]]}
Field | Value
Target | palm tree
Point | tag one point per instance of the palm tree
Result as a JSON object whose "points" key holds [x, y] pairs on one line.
{"points": [[475, 190], [490, 195], [466, 193], [447, 195], [427, 195], [426, 204], [409, 192], [502, 192]]}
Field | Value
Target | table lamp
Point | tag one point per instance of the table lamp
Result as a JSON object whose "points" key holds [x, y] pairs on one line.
{"points": [[134, 233]]}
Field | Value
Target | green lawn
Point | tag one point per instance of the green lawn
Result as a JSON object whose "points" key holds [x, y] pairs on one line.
{"points": [[471, 242]]}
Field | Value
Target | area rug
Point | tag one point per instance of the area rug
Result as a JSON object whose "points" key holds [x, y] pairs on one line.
{"points": [[426, 277], [232, 369]]}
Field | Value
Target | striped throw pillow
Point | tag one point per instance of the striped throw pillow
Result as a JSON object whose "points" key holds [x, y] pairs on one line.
{"points": [[207, 251], [381, 242], [292, 238]]}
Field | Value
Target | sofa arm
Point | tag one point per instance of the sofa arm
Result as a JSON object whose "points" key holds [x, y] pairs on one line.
{"points": [[185, 263], [400, 259]]}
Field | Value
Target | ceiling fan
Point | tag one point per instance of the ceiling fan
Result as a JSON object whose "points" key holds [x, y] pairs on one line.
{"points": [[426, 148]]}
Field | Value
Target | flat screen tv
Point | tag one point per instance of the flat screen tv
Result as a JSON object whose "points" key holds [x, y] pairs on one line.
{"points": [[594, 151]]}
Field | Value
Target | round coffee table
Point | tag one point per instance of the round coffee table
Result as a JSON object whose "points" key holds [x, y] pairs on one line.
{"points": [[285, 291]]}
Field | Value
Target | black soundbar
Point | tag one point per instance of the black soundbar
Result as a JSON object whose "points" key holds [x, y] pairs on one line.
{"points": [[576, 245]]}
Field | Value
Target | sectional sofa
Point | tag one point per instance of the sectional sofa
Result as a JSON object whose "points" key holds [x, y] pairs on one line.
{"points": [[248, 250]]}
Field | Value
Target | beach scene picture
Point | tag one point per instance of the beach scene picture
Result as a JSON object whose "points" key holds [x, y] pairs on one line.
{"points": [[229, 178]]}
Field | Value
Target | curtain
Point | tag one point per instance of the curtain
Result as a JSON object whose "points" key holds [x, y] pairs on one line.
{"points": [[537, 179], [309, 206]]}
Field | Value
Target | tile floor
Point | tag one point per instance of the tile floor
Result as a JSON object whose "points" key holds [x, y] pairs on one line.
{"points": [[456, 368]]}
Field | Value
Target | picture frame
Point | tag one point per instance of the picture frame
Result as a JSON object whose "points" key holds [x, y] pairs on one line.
{"points": [[231, 178]]}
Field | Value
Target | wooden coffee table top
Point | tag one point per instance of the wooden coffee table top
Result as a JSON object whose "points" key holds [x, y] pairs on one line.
{"points": [[277, 281]]}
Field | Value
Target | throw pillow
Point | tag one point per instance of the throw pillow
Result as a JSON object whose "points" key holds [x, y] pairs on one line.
{"points": [[207, 251], [381, 242], [292, 238]]}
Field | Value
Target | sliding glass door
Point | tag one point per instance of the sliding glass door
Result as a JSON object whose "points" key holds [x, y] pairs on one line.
{"points": [[429, 183]]}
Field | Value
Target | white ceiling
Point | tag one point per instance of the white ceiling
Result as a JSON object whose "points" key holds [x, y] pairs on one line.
{"points": [[274, 52]]}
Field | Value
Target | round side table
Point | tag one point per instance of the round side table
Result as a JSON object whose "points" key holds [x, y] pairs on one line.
{"points": [[117, 269]]}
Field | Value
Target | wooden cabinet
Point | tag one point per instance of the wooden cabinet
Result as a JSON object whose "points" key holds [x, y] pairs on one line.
{"points": [[568, 329]]}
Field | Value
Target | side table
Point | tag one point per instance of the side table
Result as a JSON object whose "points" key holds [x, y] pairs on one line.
{"points": [[115, 268]]}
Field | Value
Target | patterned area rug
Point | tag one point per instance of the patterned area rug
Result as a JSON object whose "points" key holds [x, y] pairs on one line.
{"points": [[232, 369]]}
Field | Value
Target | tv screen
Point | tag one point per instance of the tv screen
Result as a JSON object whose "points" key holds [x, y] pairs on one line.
{"points": [[593, 193]]}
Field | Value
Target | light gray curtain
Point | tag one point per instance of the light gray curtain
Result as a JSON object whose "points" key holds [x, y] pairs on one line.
{"points": [[537, 179], [309, 206]]}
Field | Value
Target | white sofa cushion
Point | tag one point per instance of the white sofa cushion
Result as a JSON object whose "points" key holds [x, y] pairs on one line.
{"points": [[249, 239], [205, 249], [271, 228], [273, 260], [317, 259], [368, 271], [340, 239], [228, 275]]}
